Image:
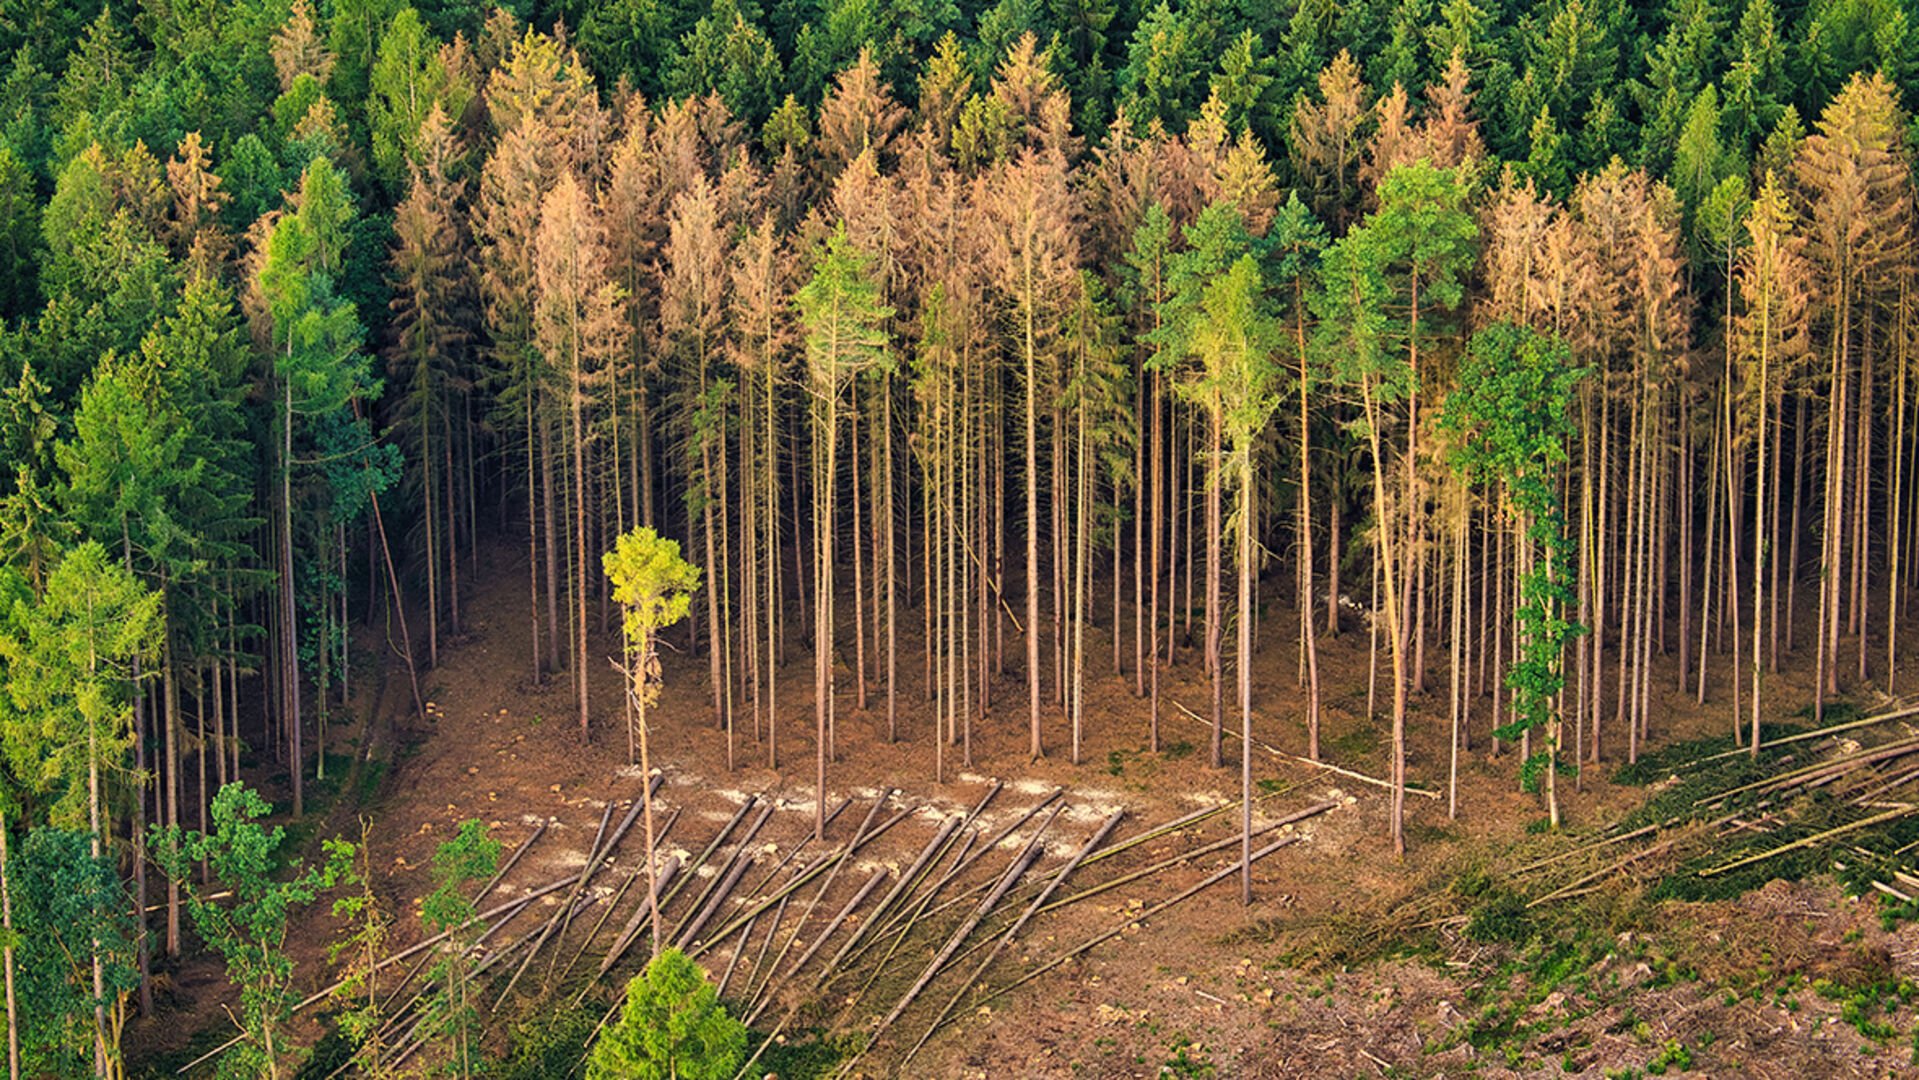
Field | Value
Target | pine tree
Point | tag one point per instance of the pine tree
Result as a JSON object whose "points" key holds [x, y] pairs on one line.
{"points": [[413, 76], [654, 588], [433, 305], [512, 185], [1032, 248], [1771, 338], [1237, 385], [580, 332], [858, 115], [692, 318], [298, 49], [315, 340], [196, 234], [73, 659], [760, 307], [844, 325], [1856, 184], [1297, 240], [1326, 140]]}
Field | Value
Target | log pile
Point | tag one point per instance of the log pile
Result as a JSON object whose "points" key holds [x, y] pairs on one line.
{"points": [[881, 955]]}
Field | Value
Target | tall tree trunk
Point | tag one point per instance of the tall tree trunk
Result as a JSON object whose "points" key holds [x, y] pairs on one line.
{"points": [[289, 640], [580, 559], [1309, 640], [1032, 510], [6, 923], [1213, 585]]}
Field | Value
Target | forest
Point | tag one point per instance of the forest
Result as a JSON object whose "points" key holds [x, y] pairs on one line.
{"points": [[1490, 408]]}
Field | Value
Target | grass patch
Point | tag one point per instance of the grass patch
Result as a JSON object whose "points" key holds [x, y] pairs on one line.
{"points": [[549, 1043], [806, 1054], [372, 778], [1355, 744]]}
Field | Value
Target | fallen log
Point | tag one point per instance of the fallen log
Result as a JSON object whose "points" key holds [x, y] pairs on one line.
{"points": [[1099, 939], [1021, 863], [1006, 937]]}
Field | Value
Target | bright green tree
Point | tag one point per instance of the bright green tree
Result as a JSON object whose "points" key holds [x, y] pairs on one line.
{"points": [[672, 1027], [1236, 342], [409, 78], [1512, 415], [654, 587], [844, 323], [471, 856], [71, 658], [320, 371], [248, 928]]}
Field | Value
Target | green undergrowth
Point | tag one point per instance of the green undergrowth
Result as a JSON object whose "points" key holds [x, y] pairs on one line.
{"points": [[802, 1054], [549, 1043], [1688, 779], [1538, 972], [1695, 770]]}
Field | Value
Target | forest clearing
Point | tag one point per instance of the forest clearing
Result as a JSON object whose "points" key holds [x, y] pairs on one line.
{"points": [[1350, 962], [700, 538]]}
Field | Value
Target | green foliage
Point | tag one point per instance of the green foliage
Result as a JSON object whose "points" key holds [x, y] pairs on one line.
{"points": [[408, 79], [249, 929], [672, 1026], [1164, 76], [471, 856], [358, 954], [547, 1043], [70, 657], [726, 53], [841, 310], [654, 587], [1500, 916], [66, 903], [1511, 415]]}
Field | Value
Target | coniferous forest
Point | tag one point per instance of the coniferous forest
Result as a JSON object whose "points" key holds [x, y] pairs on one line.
{"points": [[1470, 443]]}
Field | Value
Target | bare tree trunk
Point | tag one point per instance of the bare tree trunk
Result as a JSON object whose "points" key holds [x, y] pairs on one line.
{"points": [[550, 524], [1156, 501], [533, 544], [1032, 517], [1308, 639], [6, 922], [579, 541], [1213, 663], [859, 578]]}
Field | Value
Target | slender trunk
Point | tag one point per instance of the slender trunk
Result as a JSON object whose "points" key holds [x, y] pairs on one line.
{"points": [[533, 541], [1305, 526], [6, 923], [555, 549], [579, 539], [643, 655], [1213, 540], [1032, 512], [170, 743], [886, 525], [1388, 570], [1244, 661], [1156, 502], [289, 641]]}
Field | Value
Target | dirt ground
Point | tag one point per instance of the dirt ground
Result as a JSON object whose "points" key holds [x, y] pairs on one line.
{"points": [[1209, 989]]}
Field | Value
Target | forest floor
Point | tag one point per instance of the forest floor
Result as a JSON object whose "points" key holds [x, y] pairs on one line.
{"points": [[1324, 975]]}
